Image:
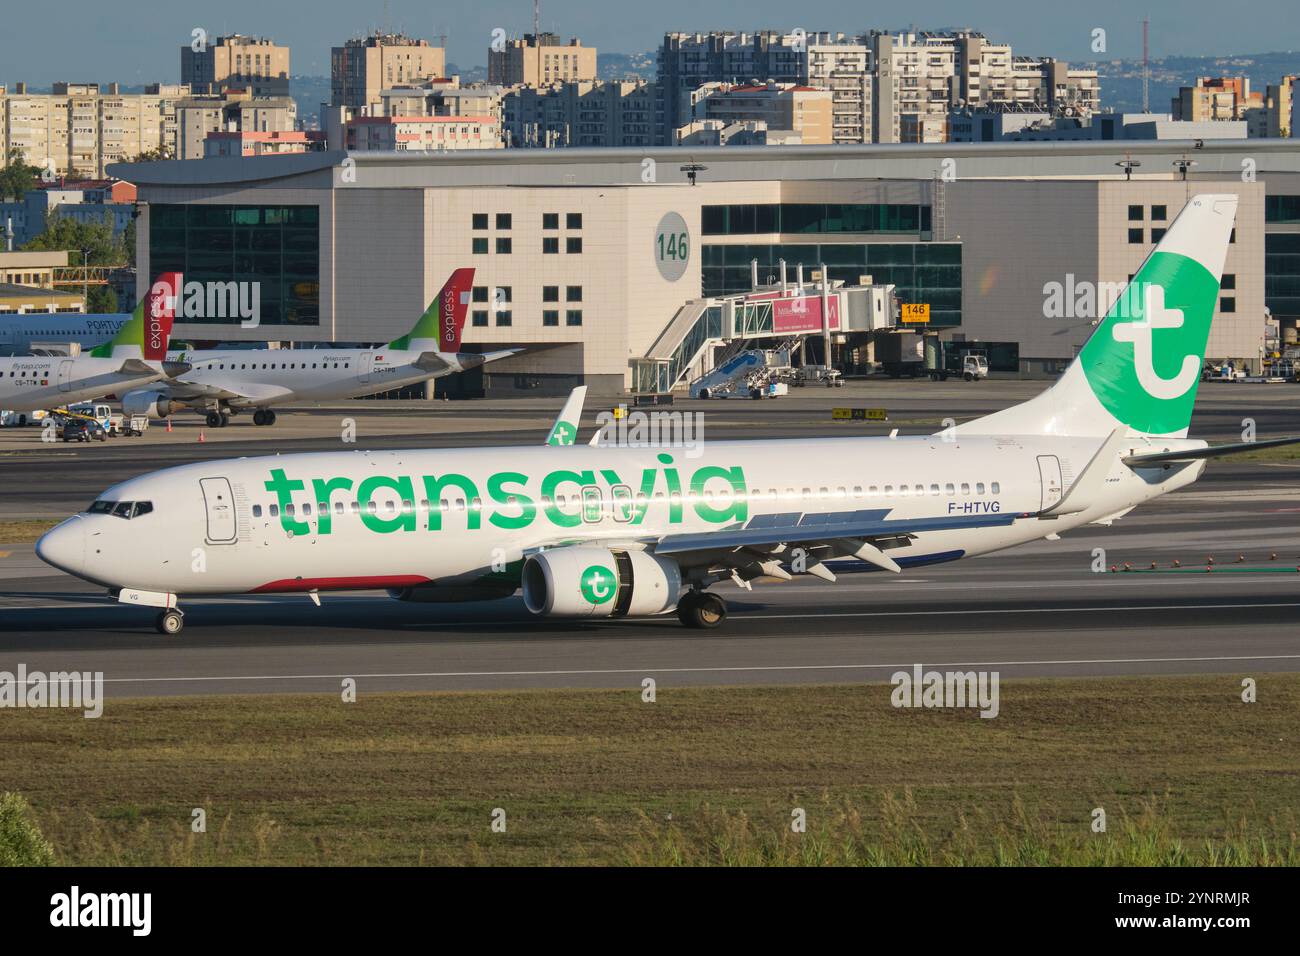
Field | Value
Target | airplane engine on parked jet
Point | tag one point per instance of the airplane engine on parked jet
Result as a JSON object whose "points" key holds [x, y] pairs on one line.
{"points": [[600, 582], [147, 402]]}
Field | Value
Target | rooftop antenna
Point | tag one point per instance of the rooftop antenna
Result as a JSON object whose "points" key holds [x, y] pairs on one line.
{"points": [[1146, 66], [537, 20]]}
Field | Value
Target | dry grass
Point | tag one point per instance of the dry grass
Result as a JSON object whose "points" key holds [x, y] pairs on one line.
{"points": [[1185, 771]]}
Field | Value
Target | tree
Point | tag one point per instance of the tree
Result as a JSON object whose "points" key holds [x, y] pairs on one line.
{"points": [[154, 155], [128, 242], [90, 242], [101, 300], [17, 177]]}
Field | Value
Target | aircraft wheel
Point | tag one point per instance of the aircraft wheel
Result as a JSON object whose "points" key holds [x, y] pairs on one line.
{"points": [[701, 610], [169, 622], [269, 417], [259, 417], [214, 419], [225, 420]]}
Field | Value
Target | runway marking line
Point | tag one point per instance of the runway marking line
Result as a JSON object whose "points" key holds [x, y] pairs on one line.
{"points": [[701, 670]]}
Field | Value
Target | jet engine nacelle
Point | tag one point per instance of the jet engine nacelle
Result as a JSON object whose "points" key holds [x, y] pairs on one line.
{"points": [[146, 402], [600, 582]]}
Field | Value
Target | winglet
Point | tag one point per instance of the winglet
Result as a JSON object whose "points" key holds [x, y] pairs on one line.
{"points": [[565, 429]]}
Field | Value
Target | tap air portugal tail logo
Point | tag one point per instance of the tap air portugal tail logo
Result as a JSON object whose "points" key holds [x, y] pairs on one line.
{"points": [[1144, 362], [440, 327], [597, 584], [150, 326]]}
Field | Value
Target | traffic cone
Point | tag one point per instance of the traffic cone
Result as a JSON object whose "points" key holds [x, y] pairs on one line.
{"points": [[201, 438]]}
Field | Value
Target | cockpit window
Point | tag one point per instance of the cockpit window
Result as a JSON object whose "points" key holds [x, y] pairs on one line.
{"points": [[121, 509]]}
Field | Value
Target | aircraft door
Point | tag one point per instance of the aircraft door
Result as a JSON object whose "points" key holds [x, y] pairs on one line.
{"points": [[1049, 471], [366, 364], [220, 505], [65, 375]]}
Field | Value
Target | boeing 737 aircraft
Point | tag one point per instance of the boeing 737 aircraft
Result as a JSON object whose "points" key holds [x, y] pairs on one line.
{"points": [[226, 382], [613, 532], [19, 333], [133, 358]]}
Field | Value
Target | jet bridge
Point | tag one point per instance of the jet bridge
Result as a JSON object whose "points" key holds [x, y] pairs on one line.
{"points": [[707, 332]]}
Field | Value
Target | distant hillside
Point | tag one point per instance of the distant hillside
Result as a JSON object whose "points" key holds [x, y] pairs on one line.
{"points": [[1121, 80]]}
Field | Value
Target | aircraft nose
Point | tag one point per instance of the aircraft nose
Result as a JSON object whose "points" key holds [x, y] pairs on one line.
{"points": [[64, 546]]}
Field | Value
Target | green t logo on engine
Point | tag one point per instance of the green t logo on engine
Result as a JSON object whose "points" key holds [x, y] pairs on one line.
{"points": [[597, 584]]}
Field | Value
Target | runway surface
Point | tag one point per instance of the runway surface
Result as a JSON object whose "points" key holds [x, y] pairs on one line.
{"points": [[1039, 610], [1034, 611]]}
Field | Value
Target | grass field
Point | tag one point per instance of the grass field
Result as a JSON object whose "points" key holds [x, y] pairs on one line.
{"points": [[24, 532], [1185, 771]]}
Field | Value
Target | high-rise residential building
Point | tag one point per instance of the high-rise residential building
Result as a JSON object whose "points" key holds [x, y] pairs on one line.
{"points": [[442, 97], [1222, 98], [802, 112], [583, 113], [236, 62], [1280, 100], [885, 87], [198, 116], [79, 128], [540, 60], [365, 66]]}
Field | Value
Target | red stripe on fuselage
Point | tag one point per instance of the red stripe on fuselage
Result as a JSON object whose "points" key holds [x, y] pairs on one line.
{"points": [[360, 583]]}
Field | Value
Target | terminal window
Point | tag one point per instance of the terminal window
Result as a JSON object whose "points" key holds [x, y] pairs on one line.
{"points": [[1157, 234], [480, 293], [573, 244], [1229, 281], [573, 293], [503, 245], [1135, 236], [503, 220], [1135, 214], [276, 246], [573, 317], [573, 220], [480, 245], [480, 220], [550, 245], [1159, 213], [550, 293], [1227, 303], [479, 318], [550, 317], [550, 220], [505, 317]]}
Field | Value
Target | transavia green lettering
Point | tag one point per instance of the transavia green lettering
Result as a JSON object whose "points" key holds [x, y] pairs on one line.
{"points": [[567, 499]]}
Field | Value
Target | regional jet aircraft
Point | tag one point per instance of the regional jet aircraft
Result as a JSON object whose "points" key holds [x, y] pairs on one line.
{"points": [[622, 532], [134, 357], [224, 383]]}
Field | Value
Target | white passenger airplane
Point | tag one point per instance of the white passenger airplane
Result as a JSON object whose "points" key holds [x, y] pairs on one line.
{"points": [[135, 357], [20, 333], [612, 532], [225, 382]]}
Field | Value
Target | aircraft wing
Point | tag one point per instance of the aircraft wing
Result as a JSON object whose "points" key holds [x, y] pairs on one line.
{"points": [[445, 363], [756, 548], [245, 396]]}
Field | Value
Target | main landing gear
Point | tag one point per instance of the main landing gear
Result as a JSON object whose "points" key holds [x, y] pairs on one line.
{"points": [[169, 622], [701, 609], [218, 419], [263, 416]]}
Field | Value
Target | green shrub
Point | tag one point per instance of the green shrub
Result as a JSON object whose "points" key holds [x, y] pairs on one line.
{"points": [[21, 843]]}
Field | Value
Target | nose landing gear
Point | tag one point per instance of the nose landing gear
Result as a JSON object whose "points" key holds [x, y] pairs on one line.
{"points": [[169, 622]]}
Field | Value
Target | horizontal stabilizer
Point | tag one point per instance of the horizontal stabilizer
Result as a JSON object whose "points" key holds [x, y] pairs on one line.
{"points": [[1090, 484], [1200, 454], [137, 367]]}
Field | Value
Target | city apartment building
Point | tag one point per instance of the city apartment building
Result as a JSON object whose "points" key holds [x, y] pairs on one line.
{"points": [[365, 66], [258, 65], [540, 60], [803, 113], [583, 113], [427, 133], [230, 112]]}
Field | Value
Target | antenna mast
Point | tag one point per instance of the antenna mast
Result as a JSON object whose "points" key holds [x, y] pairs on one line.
{"points": [[1146, 67]]}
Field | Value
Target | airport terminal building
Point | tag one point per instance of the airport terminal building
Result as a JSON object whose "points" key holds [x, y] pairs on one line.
{"points": [[590, 257]]}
